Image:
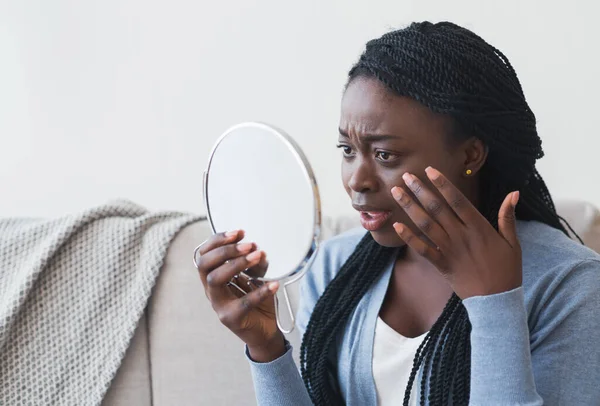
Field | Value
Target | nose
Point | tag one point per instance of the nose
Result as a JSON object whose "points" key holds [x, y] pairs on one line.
{"points": [[362, 178]]}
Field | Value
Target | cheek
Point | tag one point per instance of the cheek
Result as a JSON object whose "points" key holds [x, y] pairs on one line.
{"points": [[449, 164], [393, 178], [440, 160], [346, 174]]}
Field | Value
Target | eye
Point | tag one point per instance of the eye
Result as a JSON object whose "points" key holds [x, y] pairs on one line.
{"points": [[385, 156], [346, 150]]}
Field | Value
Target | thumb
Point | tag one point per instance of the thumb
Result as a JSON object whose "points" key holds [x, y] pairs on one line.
{"points": [[507, 219]]}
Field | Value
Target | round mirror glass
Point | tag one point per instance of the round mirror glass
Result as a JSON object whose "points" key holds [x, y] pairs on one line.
{"points": [[258, 180]]}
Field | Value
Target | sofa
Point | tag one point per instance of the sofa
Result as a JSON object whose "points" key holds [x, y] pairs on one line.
{"points": [[181, 355]]}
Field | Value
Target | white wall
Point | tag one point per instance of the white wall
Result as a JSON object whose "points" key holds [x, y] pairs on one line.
{"points": [[123, 98]]}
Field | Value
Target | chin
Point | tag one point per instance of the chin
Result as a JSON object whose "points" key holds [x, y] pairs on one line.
{"points": [[387, 238]]}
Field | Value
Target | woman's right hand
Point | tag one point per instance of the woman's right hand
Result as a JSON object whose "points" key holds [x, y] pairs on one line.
{"points": [[250, 316]]}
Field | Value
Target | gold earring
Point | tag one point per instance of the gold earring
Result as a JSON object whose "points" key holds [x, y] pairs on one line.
{"points": [[468, 172]]}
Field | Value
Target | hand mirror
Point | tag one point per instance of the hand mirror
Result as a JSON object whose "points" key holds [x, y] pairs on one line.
{"points": [[258, 180]]}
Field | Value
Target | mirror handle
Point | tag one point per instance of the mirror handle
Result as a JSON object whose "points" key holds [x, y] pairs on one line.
{"points": [[290, 312]]}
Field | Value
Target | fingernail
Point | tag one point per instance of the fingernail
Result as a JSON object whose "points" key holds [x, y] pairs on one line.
{"points": [[254, 256], [245, 247], [397, 192], [273, 286], [431, 173], [398, 227], [231, 234], [408, 178], [515, 198]]}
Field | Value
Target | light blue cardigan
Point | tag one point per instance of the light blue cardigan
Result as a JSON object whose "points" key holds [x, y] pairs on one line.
{"points": [[538, 344]]}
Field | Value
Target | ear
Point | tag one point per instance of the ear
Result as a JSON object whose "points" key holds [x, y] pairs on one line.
{"points": [[476, 153]]}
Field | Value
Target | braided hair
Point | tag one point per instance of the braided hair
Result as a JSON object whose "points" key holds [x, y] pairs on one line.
{"points": [[453, 72]]}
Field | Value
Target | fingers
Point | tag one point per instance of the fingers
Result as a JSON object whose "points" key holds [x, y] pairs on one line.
{"points": [[420, 217], [507, 220], [234, 313], [256, 297], [463, 208], [259, 270], [246, 281], [223, 274], [424, 249], [434, 205], [239, 285], [216, 257], [218, 279], [244, 284], [220, 239]]}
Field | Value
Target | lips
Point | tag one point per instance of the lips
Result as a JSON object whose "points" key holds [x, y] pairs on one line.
{"points": [[373, 220]]}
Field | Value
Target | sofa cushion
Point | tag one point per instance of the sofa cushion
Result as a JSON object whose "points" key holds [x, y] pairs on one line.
{"points": [[194, 359], [584, 218]]}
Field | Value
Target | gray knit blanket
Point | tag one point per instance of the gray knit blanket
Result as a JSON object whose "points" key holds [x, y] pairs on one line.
{"points": [[72, 290]]}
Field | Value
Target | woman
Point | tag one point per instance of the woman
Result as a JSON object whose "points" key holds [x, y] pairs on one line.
{"points": [[466, 287]]}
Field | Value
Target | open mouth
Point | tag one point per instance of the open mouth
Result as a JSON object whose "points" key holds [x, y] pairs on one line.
{"points": [[374, 220]]}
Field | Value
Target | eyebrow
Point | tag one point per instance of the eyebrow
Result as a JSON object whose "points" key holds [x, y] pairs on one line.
{"points": [[371, 137]]}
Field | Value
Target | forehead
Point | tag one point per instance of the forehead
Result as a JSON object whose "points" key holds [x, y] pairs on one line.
{"points": [[368, 107]]}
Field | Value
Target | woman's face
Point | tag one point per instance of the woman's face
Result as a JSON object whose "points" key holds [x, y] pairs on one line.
{"points": [[382, 136]]}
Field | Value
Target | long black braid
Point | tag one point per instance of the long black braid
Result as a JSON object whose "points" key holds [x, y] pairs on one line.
{"points": [[454, 72]]}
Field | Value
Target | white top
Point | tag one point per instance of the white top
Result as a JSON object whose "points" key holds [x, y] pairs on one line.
{"points": [[393, 356]]}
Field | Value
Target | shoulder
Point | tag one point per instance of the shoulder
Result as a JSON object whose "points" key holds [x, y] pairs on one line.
{"points": [[548, 251], [538, 238], [559, 273]]}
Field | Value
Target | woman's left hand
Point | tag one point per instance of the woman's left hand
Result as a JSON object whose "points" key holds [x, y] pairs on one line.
{"points": [[476, 259]]}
